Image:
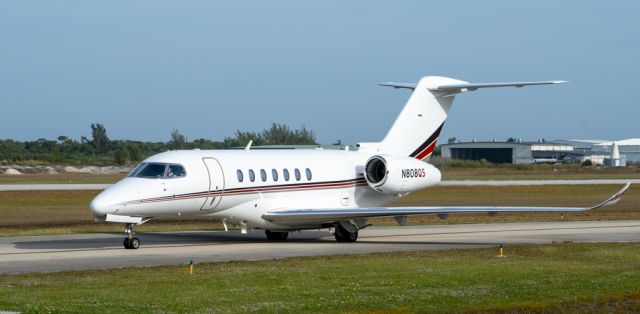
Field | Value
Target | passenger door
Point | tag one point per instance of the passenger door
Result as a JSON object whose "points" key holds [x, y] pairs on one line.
{"points": [[216, 184]]}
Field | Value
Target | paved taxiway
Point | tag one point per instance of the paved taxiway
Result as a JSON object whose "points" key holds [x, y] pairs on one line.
{"points": [[53, 187], [93, 251]]}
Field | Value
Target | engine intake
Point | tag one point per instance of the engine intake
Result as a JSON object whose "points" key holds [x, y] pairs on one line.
{"points": [[376, 170], [396, 175]]}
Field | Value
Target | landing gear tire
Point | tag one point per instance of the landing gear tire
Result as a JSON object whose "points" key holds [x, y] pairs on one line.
{"points": [[134, 244], [131, 242], [343, 235], [276, 236]]}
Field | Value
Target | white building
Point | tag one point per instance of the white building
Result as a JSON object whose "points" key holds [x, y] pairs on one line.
{"points": [[629, 150]]}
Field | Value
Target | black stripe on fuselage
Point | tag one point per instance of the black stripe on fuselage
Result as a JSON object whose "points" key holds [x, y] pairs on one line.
{"points": [[428, 142]]}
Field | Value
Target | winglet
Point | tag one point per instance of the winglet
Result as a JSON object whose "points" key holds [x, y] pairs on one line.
{"points": [[614, 198]]}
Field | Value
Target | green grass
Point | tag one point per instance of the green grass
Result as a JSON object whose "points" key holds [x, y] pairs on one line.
{"points": [[577, 278], [67, 212], [537, 172]]}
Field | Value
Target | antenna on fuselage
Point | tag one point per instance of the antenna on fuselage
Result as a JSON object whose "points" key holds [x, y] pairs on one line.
{"points": [[248, 147]]}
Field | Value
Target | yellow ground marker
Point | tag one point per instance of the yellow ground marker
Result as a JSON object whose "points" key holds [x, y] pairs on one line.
{"points": [[501, 251]]}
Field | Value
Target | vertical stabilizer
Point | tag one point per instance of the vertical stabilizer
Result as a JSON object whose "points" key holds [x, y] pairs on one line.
{"points": [[417, 128]]}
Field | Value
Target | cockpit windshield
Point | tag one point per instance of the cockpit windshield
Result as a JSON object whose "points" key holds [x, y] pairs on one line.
{"points": [[158, 170], [175, 171], [136, 170]]}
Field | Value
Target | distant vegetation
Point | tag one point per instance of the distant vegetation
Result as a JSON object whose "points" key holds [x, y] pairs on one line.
{"points": [[100, 150]]}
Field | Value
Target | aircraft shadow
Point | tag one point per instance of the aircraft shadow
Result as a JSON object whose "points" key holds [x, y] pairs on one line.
{"points": [[209, 238], [165, 239]]}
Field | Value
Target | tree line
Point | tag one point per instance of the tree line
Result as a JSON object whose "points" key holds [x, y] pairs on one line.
{"points": [[100, 150]]}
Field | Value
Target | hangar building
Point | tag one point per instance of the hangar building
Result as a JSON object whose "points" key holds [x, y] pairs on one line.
{"points": [[599, 152], [507, 152]]}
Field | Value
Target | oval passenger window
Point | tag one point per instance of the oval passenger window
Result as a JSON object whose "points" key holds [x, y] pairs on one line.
{"points": [[263, 175], [240, 175]]}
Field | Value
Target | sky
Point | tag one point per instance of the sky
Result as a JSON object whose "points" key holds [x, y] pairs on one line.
{"points": [[208, 68]]}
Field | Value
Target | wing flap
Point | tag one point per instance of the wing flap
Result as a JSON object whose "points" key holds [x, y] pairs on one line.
{"points": [[303, 216]]}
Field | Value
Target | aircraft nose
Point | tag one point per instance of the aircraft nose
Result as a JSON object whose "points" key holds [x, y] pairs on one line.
{"points": [[100, 205]]}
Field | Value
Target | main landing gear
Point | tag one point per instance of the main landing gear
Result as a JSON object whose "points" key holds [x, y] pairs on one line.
{"points": [[131, 242], [276, 236], [346, 232]]}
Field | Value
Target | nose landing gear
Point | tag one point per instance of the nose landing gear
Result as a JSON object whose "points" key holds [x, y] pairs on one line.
{"points": [[131, 242]]}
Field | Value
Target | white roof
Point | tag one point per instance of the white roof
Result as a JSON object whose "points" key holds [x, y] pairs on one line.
{"points": [[589, 141], [627, 142]]}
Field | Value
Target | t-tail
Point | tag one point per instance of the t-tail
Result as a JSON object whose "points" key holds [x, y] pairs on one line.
{"points": [[416, 131]]}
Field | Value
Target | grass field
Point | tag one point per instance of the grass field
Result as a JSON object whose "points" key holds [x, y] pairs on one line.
{"points": [[537, 172], [67, 212], [555, 278]]}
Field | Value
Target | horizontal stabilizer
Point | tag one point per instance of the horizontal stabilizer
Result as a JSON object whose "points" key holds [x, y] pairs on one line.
{"points": [[410, 86], [467, 87], [314, 216]]}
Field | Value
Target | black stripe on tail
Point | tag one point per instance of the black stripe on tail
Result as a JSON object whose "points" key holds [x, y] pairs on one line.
{"points": [[428, 142]]}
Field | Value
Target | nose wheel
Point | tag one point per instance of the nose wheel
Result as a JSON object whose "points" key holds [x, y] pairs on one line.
{"points": [[131, 242]]}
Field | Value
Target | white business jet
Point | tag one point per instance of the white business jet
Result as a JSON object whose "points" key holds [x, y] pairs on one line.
{"points": [[280, 191]]}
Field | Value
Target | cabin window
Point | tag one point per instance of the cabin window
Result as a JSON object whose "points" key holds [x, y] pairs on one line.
{"points": [[297, 173], [252, 175], [152, 170], [308, 172], [263, 175], [274, 174], [240, 175], [285, 174], [176, 171]]}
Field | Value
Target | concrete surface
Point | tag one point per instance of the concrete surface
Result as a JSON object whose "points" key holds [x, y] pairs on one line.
{"points": [[95, 251]]}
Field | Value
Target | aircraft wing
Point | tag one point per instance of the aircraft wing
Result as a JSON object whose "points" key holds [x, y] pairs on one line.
{"points": [[467, 87], [330, 215]]}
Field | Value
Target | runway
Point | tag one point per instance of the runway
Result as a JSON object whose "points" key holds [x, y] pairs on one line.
{"points": [[76, 187], [53, 187], [99, 251]]}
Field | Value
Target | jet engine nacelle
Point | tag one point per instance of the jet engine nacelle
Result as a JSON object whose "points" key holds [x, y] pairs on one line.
{"points": [[396, 175]]}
